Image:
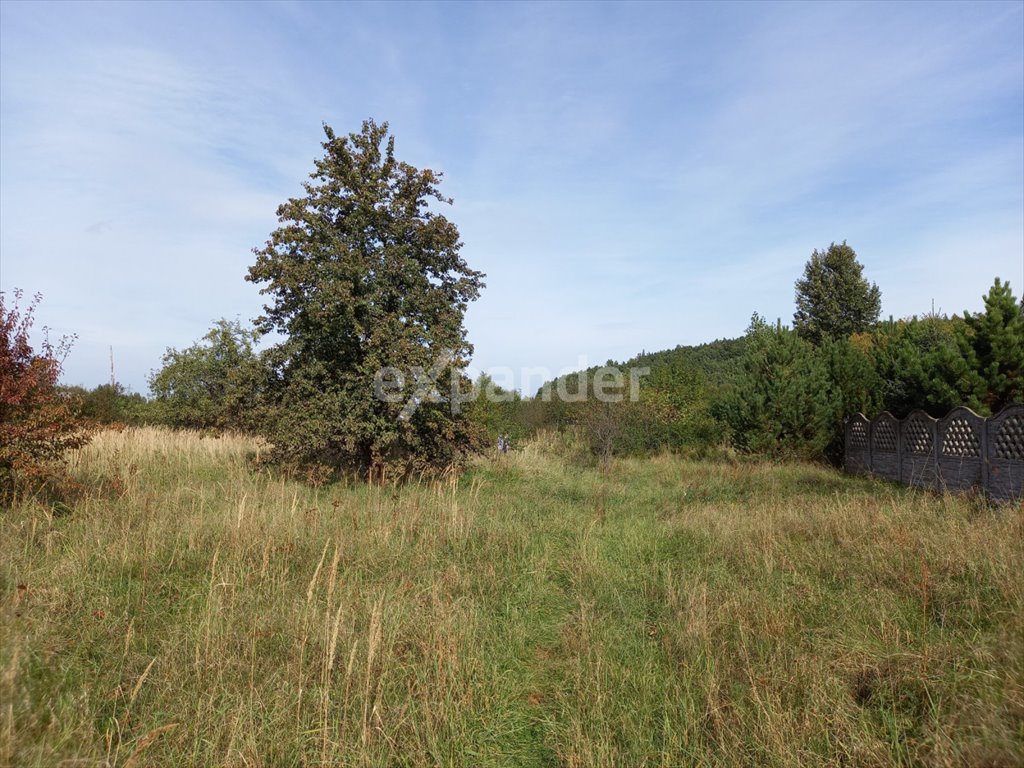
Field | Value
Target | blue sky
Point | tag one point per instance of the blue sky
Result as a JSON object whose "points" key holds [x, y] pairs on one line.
{"points": [[629, 176]]}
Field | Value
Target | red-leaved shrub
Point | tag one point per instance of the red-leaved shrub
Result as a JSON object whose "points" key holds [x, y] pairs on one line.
{"points": [[38, 423]]}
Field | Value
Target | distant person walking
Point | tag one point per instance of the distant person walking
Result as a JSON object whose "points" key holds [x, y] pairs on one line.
{"points": [[503, 443]]}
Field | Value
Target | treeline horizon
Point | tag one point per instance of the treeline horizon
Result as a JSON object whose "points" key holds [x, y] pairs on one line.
{"points": [[701, 354], [698, 393]]}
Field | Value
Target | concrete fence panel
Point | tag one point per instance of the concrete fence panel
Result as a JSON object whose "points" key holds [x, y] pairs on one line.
{"points": [[885, 446], [858, 444], [917, 450], [1005, 435], [959, 452]]}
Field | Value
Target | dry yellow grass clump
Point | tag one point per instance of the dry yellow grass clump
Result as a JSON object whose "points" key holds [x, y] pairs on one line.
{"points": [[191, 610]]}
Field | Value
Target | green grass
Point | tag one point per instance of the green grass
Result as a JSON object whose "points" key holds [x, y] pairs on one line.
{"points": [[534, 612]]}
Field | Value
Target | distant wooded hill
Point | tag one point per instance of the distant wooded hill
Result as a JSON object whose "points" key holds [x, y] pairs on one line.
{"points": [[717, 363], [720, 361]]}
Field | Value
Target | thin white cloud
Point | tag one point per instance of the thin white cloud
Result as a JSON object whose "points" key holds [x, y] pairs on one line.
{"points": [[629, 176]]}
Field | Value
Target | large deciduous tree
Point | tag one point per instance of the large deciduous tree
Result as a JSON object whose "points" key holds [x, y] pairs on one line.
{"points": [[833, 299], [365, 275]]}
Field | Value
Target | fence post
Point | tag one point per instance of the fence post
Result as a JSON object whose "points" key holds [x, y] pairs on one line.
{"points": [[984, 458], [871, 447], [899, 450]]}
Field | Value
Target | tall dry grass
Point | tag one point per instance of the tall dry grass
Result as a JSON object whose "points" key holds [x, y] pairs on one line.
{"points": [[193, 611]]}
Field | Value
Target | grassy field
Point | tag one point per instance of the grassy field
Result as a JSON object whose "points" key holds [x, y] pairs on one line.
{"points": [[533, 612]]}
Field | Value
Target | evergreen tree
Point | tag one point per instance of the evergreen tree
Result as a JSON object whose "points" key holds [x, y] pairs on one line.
{"points": [[364, 276], [783, 403], [919, 366], [833, 299], [992, 346], [937, 363]]}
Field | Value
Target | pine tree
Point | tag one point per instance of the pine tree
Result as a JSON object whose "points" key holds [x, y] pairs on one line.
{"points": [[784, 403], [920, 366], [992, 346], [937, 363], [833, 299]]}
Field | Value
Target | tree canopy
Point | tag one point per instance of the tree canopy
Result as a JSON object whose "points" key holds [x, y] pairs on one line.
{"points": [[992, 351], [204, 385], [364, 275], [833, 299]]}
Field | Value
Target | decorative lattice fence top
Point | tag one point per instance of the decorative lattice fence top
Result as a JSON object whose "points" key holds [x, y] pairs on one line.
{"points": [[960, 439], [859, 435], [1010, 439], [917, 435], [885, 434]]}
